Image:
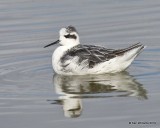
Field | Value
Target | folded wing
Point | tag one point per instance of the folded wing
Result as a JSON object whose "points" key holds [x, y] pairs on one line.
{"points": [[95, 54]]}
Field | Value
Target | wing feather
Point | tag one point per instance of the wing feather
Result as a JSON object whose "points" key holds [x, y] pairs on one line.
{"points": [[94, 54]]}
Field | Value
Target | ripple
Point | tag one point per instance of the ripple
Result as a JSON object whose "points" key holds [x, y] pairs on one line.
{"points": [[73, 89], [26, 72]]}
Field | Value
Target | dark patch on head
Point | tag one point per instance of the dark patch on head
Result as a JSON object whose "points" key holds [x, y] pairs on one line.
{"points": [[70, 29], [71, 36]]}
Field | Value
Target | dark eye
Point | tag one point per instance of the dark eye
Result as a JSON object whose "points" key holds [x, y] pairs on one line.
{"points": [[71, 36]]}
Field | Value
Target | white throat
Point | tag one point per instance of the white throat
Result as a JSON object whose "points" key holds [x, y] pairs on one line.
{"points": [[69, 42]]}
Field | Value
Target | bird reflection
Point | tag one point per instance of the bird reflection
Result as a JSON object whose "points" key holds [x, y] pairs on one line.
{"points": [[72, 89]]}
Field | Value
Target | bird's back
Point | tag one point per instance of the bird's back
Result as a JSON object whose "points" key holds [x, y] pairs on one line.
{"points": [[96, 54]]}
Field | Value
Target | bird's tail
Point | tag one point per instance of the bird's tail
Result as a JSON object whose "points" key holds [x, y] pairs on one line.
{"points": [[131, 52]]}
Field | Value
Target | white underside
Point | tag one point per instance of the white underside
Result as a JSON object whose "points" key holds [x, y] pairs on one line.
{"points": [[114, 65]]}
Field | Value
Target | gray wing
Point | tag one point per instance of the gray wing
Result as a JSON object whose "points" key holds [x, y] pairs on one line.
{"points": [[94, 54]]}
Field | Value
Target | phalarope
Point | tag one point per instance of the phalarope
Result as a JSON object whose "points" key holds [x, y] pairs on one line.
{"points": [[72, 58]]}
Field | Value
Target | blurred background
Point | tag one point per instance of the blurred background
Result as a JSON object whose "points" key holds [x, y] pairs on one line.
{"points": [[31, 95]]}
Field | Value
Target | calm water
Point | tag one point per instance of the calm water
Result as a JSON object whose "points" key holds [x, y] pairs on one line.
{"points": [[32, 96]]}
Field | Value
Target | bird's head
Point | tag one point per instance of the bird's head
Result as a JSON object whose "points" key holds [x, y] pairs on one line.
{"points": [[67, 37]]}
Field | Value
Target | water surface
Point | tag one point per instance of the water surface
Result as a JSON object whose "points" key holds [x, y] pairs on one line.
{"points": [[32, 95]]}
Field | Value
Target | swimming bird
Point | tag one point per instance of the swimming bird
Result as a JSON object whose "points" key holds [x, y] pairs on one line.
{"points": [[73, 58]]}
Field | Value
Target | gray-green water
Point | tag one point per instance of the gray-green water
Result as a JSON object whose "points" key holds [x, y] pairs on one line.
{"points": [[31, 96]]}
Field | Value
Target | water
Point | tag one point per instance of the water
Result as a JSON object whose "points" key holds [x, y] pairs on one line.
{"points": [[32, 96]]}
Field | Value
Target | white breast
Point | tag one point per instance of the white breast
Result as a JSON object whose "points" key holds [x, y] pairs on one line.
{"points": [[58, 53]]}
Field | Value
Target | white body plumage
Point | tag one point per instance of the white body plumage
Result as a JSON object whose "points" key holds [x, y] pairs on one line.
{"points": [[71, 58], [114, 65]]}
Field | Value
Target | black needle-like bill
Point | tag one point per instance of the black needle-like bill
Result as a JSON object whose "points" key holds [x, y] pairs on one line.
{"points": [[52, 43]]}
